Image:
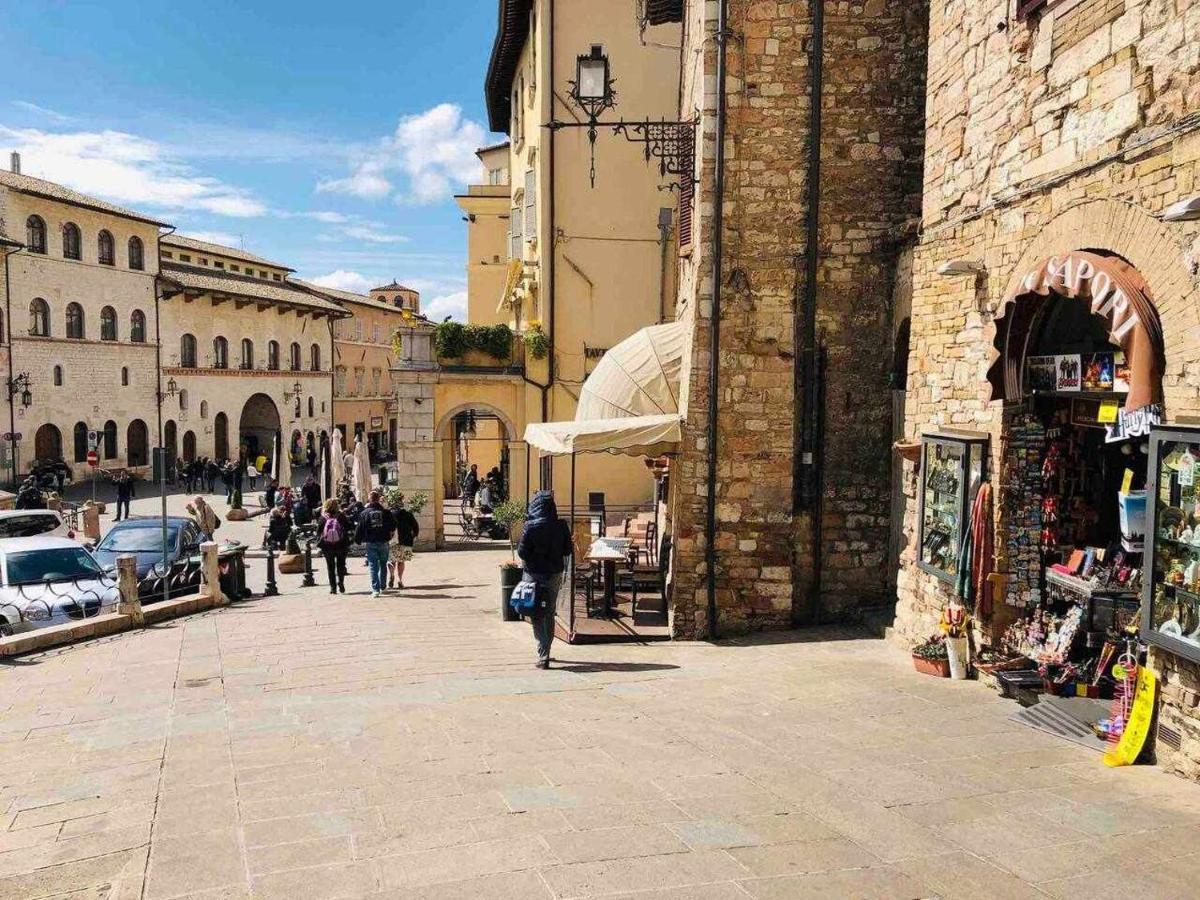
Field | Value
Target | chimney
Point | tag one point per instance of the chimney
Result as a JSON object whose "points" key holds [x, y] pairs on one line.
{"points": [[15, 164]]}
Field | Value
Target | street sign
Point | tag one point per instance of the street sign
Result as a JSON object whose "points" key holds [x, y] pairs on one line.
{"points": [[93, 438], [93, 458]]}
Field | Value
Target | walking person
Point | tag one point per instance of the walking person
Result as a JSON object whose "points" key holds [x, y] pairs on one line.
{"points": [[333, 540], [375, 529], [312, 492], [470, 485], [401, 550], [212, 472], [227, 475], [125, 493], [205, 517], [545, 545]]}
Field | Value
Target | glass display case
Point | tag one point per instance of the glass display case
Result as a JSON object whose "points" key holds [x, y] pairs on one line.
{"points": [[1171, 589], [953, 466]]}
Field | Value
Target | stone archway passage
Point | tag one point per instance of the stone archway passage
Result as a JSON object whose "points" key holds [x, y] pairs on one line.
{"points": [[189, 446], [137, 444], [258, 425], [47, 443], [1114, 290]]}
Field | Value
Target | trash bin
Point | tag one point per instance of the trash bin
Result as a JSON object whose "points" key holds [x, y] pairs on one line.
{"points": [[383, 476], [510, 577]]}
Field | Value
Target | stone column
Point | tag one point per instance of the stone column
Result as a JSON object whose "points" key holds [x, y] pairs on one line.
{"points": [[413, 380], [210, 575], [127, 583]]}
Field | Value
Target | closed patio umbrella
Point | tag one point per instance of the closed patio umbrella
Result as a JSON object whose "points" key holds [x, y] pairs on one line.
{"points": [[362, 471], [336, 467], [285, 467]]}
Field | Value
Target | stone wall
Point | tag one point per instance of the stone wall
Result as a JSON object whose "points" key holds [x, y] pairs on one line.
{"points": [[1064, 133], [871, 150]]}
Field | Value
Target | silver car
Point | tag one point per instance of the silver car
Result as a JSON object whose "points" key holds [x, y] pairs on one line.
{"points": [[48, 581]]}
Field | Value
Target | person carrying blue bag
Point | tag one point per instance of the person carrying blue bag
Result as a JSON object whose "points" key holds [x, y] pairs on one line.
{"points": [[544, 547]]}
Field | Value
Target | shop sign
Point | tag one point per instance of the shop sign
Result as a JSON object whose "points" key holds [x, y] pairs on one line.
{"points": [[376, 421], [1069, 372], [1134, 423], [1075, 276]]}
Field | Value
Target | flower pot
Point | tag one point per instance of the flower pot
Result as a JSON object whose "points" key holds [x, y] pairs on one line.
{"points": [[959, 657], [937, 667], [510, 577]]}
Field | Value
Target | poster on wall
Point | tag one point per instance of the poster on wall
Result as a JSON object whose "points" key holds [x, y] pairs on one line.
{"points": [[1098, 372], [1069, 371], [1041, 374], [1120, 374]]}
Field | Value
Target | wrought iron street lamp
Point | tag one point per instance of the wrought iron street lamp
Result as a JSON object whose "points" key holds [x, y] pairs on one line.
{"points": [[671, 143], [19, 385]]}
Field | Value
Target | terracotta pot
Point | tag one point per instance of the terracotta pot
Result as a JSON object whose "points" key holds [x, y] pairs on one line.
{"points": [[290, 564], [937, 667], [237, 515]]}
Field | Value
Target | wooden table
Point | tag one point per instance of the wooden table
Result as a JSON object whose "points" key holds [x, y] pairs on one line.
{"points": [[608, 552]]}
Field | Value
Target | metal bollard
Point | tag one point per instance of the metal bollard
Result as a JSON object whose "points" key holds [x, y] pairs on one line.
{"points": [[308, 581], [272, 589]]}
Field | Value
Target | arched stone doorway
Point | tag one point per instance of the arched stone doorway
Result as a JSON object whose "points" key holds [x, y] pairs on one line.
{"points": [[137, 443], [189, 446], [47, 443], [221, 436], [171, 441], [476, 435], [258, 426]]}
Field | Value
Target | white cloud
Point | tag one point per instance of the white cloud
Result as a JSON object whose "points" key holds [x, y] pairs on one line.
{"points": [[343, 280], [434, 151], [126, 169], [214, 237], [372, 235], [453, 305], [42, 111]]}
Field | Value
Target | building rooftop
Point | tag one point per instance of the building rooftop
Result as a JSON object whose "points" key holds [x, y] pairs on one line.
{"points": [[511, 32], [276, 293], [341, 296], [394, 286], [188, 243], [39, 187]]}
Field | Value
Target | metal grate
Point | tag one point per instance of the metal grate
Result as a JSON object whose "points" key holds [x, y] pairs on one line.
{"points": [[1169, 737]]}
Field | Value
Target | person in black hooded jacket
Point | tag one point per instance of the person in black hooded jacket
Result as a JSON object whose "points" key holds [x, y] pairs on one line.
{"points": [[545, 545]]}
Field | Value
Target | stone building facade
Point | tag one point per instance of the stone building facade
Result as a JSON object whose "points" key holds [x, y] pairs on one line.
{"points": [[802, 516], [1073, 128]]}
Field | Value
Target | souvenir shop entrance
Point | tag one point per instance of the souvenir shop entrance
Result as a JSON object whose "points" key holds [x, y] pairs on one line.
{"points": [[1079, 369]]}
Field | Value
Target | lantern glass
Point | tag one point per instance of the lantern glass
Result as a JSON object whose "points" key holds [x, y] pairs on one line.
{"points": [[26, 398], [592, 76]]}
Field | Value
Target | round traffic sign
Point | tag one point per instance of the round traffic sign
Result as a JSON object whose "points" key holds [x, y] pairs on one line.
{"points": [[93, 458]]}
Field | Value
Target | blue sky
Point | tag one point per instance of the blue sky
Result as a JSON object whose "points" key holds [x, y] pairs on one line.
{"points": [[328, 138]]}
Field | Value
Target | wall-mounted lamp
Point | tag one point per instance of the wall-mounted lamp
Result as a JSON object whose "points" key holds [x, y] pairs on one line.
{"points": [[962, 267], [1183, 211]]}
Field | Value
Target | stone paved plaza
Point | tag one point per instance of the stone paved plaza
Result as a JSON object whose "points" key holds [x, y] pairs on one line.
{"points": [[308, 747]]}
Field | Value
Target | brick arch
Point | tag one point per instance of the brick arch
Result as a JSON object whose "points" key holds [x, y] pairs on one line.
{"points": [[1152, 247], [509, 428]]}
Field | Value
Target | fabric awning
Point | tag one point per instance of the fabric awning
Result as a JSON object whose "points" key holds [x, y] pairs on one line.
{"points": [[637, 377], [631, 436]]}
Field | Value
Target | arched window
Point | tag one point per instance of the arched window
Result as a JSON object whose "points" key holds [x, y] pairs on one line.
{"points": [[247, 353], [221, 436], [187, 351], [220, 353], [311, 407], [189, 446], [71, 242], [35, 235], [273, 356], [39, 318], [137, 326], [204, 409], [81, 445], [110, 439], [314, 357], [183, 400], [108, 324], [124, 376], [294, 358], [339, 380], [58, 376], [74, 321], [137, 257], [105, 251]]}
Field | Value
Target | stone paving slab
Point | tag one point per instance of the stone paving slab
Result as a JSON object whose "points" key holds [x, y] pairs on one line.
{"points": [[309, 746]]}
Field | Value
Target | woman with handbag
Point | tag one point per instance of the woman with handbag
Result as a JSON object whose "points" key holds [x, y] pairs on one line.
{"points": [[545, 545]]}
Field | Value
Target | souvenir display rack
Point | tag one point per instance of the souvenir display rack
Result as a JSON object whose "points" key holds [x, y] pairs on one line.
{"points": [[953, 465]]}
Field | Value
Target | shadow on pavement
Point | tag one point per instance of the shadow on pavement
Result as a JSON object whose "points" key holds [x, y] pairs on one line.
{"points": [[568, 666]]}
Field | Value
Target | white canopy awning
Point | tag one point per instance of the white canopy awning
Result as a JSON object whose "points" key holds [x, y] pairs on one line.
{"points": [[632, 436], [638, 377]]}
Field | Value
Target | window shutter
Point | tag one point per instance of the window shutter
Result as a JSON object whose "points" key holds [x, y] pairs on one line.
{"points": [[516, 236], [530, 205], [687, 201]]}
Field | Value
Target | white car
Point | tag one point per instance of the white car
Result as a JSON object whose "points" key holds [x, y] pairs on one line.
{"points": [[33, 522], [48, 581]]}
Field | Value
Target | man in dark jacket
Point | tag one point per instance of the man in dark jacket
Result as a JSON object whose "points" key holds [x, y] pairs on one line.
{"points": [[545, 545], [312, 492], [376, 525], [125, 493]]}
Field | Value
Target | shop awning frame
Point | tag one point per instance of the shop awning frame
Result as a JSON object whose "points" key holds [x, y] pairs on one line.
{"points": [[630, 436]]}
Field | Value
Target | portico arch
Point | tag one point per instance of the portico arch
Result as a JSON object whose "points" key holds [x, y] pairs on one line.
{"points": [[258, 426]]}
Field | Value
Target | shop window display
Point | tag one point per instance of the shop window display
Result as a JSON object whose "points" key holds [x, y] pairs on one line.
{"points": [[953, 467]]}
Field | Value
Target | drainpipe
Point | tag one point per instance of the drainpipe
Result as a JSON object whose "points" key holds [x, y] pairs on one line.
{"points": [[664, 241], [710, 524], [10, 249], [808, 468], [552, 221]]}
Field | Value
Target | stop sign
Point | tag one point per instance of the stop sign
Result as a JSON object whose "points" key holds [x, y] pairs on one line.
{"points": [[93, 458]]}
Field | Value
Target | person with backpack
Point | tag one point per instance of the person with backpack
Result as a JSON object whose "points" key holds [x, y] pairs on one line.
{"points": [[545, 545], [205, 517], [333, 540], [376, 525], [401, 551]]}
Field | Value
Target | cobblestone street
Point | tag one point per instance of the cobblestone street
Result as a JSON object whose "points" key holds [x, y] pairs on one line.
{"points": [[308, 746]]}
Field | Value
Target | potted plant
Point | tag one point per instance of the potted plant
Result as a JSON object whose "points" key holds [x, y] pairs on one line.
{"points": [[955, 621], [236, 512], [510, 514], [930, 657]]}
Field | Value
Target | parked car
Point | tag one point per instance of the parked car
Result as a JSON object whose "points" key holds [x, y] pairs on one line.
{"points": [[32, 522], [142, 537], [49, 580]]}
